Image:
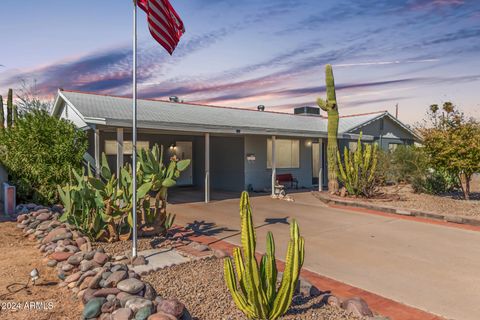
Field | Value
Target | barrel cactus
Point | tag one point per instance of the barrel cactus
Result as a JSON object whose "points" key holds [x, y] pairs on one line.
{"points": [[330, 106], [253, 287]]}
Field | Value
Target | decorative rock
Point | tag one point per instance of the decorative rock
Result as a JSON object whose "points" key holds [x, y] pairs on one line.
{"points": [[143, 313], [94, 283], [67, 267], [115, 278], [21, 218], [86, 247], [43, 226], [86, 265], [61, 276], [106, 274], [307, 289], [139, 261], [75, 259], [333, 301], [72, 248], [105, 292], [150, 292], [89, 255], [161, 316], [85, 283], [110, 306], [84, 275], [87, 295], [119, 258], [172, 307], [357, 306], [123, 297], [61, 256], [122, 314], [52, 263], [220, 254], [111, 297], [80, 241], [44, 216], [62, 236], [118, 267], [131, 285], [52, 234], [100, 258], [105, 316], [137, 303], [93, 308]]}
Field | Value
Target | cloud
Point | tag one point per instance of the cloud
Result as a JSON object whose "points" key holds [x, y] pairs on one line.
{"points": [[377, 63]]}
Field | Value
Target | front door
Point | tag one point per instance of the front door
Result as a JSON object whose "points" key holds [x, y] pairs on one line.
{"points": [[183, 150], [315, 162]]}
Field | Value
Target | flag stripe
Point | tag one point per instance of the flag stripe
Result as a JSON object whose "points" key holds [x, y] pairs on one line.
{"points": [[164, 24]]}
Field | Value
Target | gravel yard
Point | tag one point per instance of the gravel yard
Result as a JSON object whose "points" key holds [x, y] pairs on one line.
{"points": [[200, 285]]}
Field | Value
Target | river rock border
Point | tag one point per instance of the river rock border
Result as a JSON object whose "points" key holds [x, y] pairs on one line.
{"points": [[104, 284]]}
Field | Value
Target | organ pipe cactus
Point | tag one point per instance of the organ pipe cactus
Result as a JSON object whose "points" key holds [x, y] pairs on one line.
{"points": [[357, 173], [10, 108], [330, 106], [253, 287], [2, 115]]}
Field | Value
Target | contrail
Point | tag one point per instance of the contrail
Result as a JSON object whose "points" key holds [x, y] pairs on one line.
{"points": [[376, 63]]}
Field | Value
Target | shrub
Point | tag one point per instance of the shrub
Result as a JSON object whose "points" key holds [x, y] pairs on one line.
{"points": [[357, 171], [257, 295], [39, 152]]}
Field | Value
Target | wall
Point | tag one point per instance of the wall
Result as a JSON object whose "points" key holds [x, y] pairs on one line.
{"points": [[259, 176], [391, 133]]}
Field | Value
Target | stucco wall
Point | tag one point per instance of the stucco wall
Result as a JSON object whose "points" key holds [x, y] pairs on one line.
{"points": [[259, 176]]}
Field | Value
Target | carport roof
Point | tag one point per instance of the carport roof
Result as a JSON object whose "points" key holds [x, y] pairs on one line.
{"points": [[117, 111]]}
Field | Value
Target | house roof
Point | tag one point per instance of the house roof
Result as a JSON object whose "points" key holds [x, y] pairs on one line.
{"points": [[158, 114]]}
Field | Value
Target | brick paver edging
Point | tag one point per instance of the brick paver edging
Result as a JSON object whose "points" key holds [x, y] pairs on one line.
{"points": [[450, 219], [386, 307]]}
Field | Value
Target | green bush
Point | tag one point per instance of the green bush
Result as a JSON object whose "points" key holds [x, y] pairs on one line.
{"points": [[39, 153], [410, 164]]}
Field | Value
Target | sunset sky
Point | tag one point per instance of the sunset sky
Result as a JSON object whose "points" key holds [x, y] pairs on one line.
{"points": [[245, 53]]}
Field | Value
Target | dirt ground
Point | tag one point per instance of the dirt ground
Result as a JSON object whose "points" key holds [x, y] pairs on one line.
{"points": [[18, 256], [451, 203]]}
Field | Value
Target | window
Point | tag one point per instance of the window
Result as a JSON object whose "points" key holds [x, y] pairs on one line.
{"points": [[287, 153], [111, 147], [392, 146]]}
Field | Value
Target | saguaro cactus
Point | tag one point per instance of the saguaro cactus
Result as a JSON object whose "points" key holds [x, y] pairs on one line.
{"points": [[2, 115], [10, 108], [330, 106], [257, 296]]}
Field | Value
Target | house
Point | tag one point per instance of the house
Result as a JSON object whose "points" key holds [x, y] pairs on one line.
{"points": [[231, 149]]}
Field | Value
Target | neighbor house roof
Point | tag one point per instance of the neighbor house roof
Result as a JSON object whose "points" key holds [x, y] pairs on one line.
{"points": [[158, 114]]}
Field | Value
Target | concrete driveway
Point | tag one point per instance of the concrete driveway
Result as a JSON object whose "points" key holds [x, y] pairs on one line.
{"points": [[431, 267]]}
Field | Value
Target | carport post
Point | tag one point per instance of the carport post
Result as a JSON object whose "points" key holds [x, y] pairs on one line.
{"points": [[207, 167], [320, 171], [96, 139], [119, 151], [274, 166]]}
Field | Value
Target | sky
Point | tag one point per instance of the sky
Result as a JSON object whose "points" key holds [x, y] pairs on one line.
{"points": [[244, 53]]}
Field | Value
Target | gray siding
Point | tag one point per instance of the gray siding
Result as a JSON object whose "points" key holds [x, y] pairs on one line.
{"points": [[259, 176]]}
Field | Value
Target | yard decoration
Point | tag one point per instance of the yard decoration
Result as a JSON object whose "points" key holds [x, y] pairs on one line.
{"points": [[358, 171], [330, 106], [102, 206], [2, 116], [257, 295]]}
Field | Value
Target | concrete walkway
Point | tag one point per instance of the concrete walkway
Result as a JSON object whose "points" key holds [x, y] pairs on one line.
{"points": [[430, 267]]}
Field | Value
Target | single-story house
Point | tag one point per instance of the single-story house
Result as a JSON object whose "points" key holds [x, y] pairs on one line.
{"points": [[231, 149]]}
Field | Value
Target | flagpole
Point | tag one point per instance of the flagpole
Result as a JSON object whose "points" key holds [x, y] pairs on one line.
{"points": [[134, 132]]}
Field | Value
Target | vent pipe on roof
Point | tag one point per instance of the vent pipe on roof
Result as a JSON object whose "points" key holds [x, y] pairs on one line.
{"points": [[261, 107], [174, 99]]}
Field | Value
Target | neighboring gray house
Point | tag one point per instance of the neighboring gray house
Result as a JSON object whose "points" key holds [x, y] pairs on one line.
{"points": [[231, 149]]}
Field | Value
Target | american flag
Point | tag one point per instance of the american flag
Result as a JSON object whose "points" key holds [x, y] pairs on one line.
{"points": [[164, 23]]}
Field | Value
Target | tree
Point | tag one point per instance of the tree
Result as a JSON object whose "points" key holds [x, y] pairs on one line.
{"points": [[330, 106], [39, 153], [453, 144], [29, 98]]}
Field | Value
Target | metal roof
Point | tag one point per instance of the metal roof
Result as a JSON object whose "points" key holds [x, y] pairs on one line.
{"points": [[117, 111]]}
